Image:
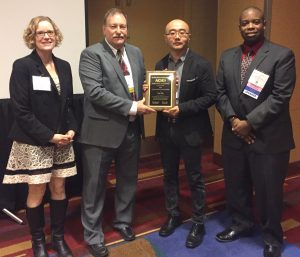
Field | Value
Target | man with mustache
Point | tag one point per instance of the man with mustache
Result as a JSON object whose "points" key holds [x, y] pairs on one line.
{"points": [[255, 82], [112, 74]]}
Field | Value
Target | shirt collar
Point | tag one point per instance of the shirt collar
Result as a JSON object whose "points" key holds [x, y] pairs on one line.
{"points": [[253, 49], [182, 58], [114, 49]]}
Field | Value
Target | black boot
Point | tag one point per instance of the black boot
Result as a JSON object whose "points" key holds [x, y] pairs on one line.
{"points": [[58, 209], [36, 221]]}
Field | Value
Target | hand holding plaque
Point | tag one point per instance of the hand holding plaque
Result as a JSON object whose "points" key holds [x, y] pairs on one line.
{"points": [[161, 93]]}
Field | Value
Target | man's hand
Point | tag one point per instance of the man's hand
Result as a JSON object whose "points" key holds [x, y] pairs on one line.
{"points": [[242, 129], [250, 139], [142, 108], [173, 112]]}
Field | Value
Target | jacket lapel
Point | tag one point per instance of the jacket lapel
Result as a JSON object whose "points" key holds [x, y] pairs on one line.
{"points": [[187, 66], [108, 53], [42, 69], [61, 76], [236, 68]]}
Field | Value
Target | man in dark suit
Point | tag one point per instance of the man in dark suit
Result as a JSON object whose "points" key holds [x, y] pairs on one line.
{"points": [[112, 75], [257, 132], [182, 129]]}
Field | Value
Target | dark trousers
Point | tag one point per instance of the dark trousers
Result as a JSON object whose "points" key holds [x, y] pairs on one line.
{"points": [[265, 173], [173, 147]]}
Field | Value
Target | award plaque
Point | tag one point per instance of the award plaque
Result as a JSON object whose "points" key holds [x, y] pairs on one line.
{"points": [[161, 93]]}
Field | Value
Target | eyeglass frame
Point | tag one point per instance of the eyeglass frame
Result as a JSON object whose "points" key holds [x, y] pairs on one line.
{"points": [[42, 34], [180, 33], [122, 27]]}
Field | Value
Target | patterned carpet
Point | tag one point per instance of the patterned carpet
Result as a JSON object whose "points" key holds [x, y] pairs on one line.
{"points": [[150, 212], [244, 247]]}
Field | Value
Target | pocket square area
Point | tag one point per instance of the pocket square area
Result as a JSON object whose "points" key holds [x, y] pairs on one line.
{"points": [[191, 80]]}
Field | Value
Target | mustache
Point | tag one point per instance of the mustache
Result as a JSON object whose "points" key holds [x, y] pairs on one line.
{"points": [[119, 36]]}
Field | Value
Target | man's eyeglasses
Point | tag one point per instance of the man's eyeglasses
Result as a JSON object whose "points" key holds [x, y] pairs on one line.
{"points": [[41, 34], [115, 27], [180, 33]]}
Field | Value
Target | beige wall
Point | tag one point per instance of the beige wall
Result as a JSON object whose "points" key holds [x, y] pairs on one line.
{"points": [[147, 20], [285, 30]]}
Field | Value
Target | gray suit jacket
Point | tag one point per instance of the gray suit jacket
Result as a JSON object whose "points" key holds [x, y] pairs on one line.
{"points": [[269, 114], [106, 97]]}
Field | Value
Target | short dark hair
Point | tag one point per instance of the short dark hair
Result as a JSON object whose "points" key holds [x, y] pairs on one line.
{"points": [[113, 11], [256, 9]]}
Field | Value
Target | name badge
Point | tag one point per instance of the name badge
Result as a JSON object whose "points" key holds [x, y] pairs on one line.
{"points": [[256, 83], [41, 83], [131, 89]]}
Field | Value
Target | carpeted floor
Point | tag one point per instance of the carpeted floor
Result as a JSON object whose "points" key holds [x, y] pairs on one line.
{"points": [[139, 248], [174, 245], [150, 214]]}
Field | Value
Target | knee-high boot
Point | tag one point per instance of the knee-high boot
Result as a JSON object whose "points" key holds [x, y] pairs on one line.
{"points": [[58, 209], [36, 221]]}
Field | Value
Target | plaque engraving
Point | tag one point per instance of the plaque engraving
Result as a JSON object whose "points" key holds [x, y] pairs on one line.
{"points": [[161, 93]]}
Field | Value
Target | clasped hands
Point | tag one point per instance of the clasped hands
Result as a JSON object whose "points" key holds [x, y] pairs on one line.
{"points": [[63, 139], [242, 129]]}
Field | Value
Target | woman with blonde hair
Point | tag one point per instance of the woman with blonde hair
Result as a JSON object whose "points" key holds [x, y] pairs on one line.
{"points": [[41, 91]]}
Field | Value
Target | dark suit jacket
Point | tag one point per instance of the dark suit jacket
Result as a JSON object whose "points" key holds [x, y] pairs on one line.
{"points": [[197, 94], [40, 114], [269, 114], [107, 100]]}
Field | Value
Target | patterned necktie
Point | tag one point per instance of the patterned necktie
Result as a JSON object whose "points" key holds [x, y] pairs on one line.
{"points": [[246, 61], [125, 70], [122, 63]]}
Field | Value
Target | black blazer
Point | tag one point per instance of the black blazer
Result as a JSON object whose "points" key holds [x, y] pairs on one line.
{"points": [[40, 114], [269, 114], [197, 94]]}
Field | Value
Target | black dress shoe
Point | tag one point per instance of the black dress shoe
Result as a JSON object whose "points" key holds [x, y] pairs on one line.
{"points": [[98, 250], [127, 233], [170, 225], [195, 236], [272, 251], [229, 234]]}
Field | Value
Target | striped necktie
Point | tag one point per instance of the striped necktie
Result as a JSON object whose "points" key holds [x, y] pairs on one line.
{"points": [[125, 70], [123, 65]]}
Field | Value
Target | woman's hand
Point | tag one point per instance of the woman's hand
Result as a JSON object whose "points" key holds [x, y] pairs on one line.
{"points": [[71, 134], [60, 139]]}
